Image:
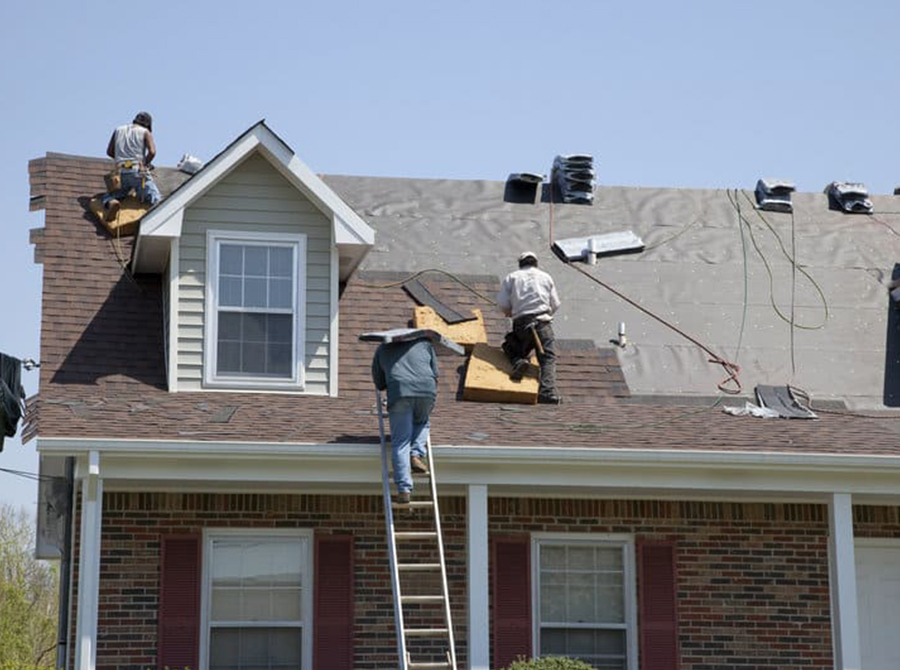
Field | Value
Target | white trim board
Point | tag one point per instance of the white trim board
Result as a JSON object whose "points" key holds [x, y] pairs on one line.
{"points": [[551, 472]]}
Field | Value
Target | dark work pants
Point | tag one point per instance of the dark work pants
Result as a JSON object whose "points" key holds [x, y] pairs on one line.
{"points": [[518, 344]]}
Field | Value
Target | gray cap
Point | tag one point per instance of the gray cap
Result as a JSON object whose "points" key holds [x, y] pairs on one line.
{"points": [[527, 254]]}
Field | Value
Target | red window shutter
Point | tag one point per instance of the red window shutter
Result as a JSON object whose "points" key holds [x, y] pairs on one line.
{"points": [[511, 567], [333, 617], [179, 602], [658, 614]]}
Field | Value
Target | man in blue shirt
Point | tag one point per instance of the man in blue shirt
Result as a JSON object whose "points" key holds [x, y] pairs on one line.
{"points": [[409, 372]]}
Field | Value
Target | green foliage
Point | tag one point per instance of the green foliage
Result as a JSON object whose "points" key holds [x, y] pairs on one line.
{"points": [[28, 597], [550, 663]]}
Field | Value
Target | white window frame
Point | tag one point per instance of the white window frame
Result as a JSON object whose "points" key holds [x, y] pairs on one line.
{"points": [[306, 598], [214, 240], [626, 543]]}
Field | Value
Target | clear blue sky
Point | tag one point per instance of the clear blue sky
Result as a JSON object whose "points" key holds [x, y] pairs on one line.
{"points": [[693, 94]]}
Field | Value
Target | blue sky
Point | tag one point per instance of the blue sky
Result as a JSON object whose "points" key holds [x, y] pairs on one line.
{"points": [[694, 94]]}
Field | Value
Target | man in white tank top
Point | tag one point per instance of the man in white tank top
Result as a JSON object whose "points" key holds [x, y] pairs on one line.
{"points": [[133, 149]]}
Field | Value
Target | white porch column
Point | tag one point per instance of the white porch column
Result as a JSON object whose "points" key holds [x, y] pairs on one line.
{"points": [[844, 620], [477, 536], [89, 566]]}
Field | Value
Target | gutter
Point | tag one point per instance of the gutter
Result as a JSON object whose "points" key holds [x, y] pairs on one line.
{"points": [[476, 454]]}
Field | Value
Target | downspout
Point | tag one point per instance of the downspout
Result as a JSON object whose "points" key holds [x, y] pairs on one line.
{"points": [[65, 570]]}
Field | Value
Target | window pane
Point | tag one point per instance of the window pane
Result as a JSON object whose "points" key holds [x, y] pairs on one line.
{"points": [[231, 259], [581, 596], [254, 328], [230, 291], [255, 293], [229, 326], [611, 604], [280, 293], [609, 558], [553, 603], [256, 261], [256, 605], [255, 648], [279, 360], [226, 605], [581, 558], [253, 355], [281, 328], [229, 357], [281, 262], [226, 564], [553, 557], [286, 565], [286, 604]]}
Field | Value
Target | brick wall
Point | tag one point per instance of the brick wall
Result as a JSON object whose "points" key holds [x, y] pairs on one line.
{"points": [[752, 579], [129, 564]]}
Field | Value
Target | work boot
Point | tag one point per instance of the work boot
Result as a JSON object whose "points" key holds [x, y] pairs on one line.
{"points": [[112, 210], [403, 498], [418, 465], [519, 370], [549, 399]]}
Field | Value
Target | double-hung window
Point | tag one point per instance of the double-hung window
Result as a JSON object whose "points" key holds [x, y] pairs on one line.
{"points": [[257, 601], [255, 310], [584, 600]]}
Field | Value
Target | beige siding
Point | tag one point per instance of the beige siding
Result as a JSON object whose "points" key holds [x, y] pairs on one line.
{"points": [[254, 197]]}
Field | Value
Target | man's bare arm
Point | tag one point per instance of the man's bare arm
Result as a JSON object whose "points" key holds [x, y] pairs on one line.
{"points": [[150, 148]]}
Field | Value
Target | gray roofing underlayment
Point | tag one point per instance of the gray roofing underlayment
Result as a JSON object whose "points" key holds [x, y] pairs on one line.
{"points": [[692, 273]]}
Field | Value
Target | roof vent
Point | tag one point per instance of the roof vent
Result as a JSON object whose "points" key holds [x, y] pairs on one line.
{"points": [[527, 177], [574, 175], [774, 195], [849, 197], [897, 190]]}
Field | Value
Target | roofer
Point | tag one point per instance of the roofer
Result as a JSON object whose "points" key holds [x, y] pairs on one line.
{"points": [[133, 149], [529, 296], [408, 370]]}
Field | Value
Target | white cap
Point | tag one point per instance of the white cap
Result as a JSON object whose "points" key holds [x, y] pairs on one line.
{"points": [[527, 254]]}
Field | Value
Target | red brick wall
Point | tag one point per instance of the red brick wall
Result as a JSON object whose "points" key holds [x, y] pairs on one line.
{"points": [[752, 579], [129, 564]]}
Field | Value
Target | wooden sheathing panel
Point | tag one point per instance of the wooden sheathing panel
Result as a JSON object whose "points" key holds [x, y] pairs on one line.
{"points": [[126, 222], [467, 333], [487, 378]]}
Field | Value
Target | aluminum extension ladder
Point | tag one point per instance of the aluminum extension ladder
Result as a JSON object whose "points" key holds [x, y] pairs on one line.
{"points": [[418, 511]]}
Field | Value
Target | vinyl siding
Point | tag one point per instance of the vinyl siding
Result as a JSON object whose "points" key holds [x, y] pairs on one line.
{"points": [[254, 197]]}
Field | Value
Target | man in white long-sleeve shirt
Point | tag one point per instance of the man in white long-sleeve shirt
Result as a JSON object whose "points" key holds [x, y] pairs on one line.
{"points": [[529, 296]]}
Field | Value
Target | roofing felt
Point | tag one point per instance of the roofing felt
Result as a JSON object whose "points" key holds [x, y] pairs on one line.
{"points": [[103, 375], [699, 270]]}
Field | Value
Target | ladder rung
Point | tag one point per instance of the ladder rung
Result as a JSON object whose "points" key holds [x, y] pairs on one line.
{"points": [[422, 599], [414, 504], [428, 666], [418, 567], [424, 632], [414, 534]]}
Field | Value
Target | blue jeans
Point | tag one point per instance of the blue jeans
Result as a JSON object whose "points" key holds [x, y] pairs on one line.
{"points": [[410, 423], [141, 182]]}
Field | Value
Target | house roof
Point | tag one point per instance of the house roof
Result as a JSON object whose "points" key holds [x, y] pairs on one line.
{"points": [[103, 375]]}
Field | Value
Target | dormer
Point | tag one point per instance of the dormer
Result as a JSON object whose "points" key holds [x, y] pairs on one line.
{"points": [[253, 247]]}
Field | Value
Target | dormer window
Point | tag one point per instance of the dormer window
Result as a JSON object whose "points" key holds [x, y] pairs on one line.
{"points": [[255, 309]]}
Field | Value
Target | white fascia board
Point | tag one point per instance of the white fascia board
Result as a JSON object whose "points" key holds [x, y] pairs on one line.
{"points": [[509, 468]]}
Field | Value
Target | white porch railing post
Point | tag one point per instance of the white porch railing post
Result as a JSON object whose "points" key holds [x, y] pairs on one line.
{"points": [[89, 566], [844, 616], [477, 536]]}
